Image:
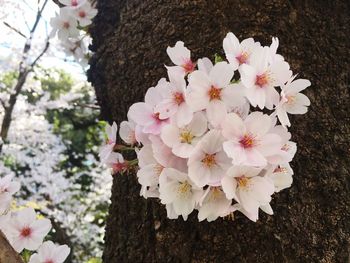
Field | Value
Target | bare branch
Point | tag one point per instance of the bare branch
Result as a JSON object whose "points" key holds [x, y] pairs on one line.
{"points": [[14, 29], [41, 54], [3, 104], [91, 106]]}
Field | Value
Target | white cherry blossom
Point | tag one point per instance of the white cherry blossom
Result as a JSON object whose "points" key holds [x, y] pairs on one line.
{"points": [[182, 140], [127, 132], [7, 189], [72, 3], [84, 13], [48, 252], [292, 101], [214, 204], [208, 162], [248, 188], [64, 24], [107, 149], [281, 175], [177, 190], [213, 92]]}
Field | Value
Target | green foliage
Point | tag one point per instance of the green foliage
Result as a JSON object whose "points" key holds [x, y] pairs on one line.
{"points": [[8, 80], [94, 260], [56, 82], [218, 58]]}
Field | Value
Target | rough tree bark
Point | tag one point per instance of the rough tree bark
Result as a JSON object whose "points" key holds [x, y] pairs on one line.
{"points": [[7, 253], [311, 221]]}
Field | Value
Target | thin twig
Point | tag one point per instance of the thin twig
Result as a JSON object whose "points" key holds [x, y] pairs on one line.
{"points": [[91, 106], [41, 54], [15, 29]]}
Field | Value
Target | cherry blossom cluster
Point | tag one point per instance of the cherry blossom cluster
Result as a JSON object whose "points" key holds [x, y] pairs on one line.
{"points": [[73, 18], [25, 230], [213, 137]]}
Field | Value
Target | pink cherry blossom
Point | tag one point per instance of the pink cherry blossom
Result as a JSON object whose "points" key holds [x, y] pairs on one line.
{"points": [[174, 104], [239, 53], [249, 141], [116, 162], [260, 78], [145, 113], [181, 57]]}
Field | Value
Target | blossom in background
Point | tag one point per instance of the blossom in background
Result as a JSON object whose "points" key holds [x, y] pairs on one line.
{"points": [[261, 77], [292, 101], [24, 230], [72, 3], [64, 25], [77, 49], [208, 162], [213, 92], [182, 140], [249, 141], [50, 253], [84, 13], [239, 53], [7, 189], [177, 190], [107, 149], [181, 57]]}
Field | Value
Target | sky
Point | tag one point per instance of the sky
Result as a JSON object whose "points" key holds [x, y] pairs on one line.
{"points": [[21, 14]]}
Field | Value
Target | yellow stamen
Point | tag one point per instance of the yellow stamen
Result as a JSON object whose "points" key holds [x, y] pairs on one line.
{"points": [[214, 93], [209, 160], [242, 181], [186, 137]]}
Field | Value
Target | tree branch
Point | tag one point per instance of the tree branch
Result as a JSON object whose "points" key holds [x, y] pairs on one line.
{"points": [[14, 29], [41, 54], [24, 70]]}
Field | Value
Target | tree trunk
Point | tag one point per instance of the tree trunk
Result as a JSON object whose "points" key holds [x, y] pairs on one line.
{"points": [[311, 220], [7, 253]]}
